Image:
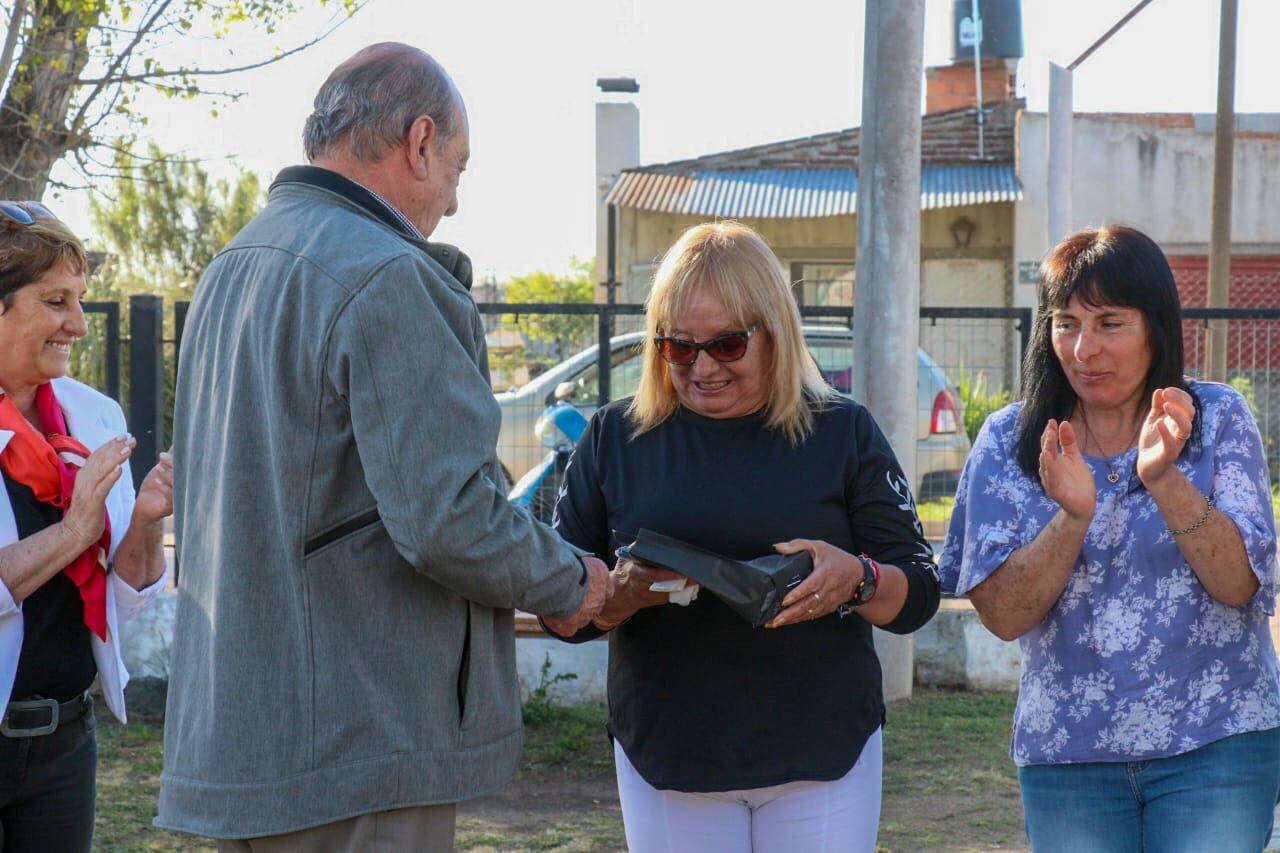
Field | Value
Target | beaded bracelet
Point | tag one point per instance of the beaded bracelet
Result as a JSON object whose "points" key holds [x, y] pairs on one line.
{"points": [[1208, 510]]}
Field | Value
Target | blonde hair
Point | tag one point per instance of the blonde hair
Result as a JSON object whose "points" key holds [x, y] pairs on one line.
{"points": [[733, 263]]}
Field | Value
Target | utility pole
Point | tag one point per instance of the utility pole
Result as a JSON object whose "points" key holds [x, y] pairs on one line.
{"points": [[1220, 233], [887, 320], [1059, 146], [1061, 116]]}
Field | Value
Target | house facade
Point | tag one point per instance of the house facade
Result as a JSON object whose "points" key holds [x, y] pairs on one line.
{"points": [[983, 210]]}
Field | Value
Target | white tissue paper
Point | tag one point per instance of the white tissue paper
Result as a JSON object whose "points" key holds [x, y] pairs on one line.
{"points": [[680, 591], [684, 597]]}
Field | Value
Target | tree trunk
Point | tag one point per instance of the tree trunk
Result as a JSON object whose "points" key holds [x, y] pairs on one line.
{"points": [[33, 115]]}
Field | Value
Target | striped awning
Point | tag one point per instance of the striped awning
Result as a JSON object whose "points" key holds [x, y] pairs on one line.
{"points": [[800, 193]]}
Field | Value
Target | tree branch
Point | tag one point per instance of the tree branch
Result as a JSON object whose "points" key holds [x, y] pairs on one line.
{"points": [[121, 57], [11, 39], [15, 175], [215, 72]]}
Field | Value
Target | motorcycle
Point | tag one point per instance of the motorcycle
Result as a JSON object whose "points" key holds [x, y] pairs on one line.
{"points": [[558, 428]]}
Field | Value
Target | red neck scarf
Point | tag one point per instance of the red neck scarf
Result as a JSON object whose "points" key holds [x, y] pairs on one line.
{"points": [[47, 464]]}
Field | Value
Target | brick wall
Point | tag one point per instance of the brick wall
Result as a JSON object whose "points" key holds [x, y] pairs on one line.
{"points": [[1255, 283], [953, 86]]}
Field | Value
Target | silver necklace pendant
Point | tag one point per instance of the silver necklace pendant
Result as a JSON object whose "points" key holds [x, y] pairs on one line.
{"points": [[1113, 477]]}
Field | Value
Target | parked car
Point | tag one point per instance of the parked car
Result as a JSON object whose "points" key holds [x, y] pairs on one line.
{"points": [[941, 442]]}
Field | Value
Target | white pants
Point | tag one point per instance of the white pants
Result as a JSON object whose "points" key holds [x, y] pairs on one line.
{"points": [[796, 817]]}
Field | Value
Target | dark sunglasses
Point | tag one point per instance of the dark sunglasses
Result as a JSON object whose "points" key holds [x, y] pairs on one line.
{"points": [[730, 346], [25, 212]]}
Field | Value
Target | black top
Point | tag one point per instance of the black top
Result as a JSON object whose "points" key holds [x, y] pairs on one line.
{"points": [[56, 661], [700, 700]]}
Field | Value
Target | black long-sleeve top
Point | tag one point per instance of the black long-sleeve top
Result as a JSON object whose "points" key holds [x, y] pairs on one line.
{"points": [[699, 699], [56, 661]]}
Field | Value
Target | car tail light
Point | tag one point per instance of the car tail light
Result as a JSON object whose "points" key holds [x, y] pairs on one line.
{"points": [[946, 415]]}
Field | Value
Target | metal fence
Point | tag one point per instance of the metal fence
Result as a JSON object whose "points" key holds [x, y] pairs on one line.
{"points": [[963, 352], [968, 366]]}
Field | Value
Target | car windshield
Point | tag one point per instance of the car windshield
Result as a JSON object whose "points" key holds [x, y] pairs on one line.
{"points": [[624, 377]]}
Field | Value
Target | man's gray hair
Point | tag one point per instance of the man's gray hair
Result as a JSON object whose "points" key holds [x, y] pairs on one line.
{"points": [[370, 101]]}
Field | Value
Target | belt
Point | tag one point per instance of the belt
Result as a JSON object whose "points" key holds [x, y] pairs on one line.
{"points": [[37, 717]]}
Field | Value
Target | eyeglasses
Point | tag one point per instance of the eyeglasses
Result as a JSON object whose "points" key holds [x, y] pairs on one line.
{"points": [[730, 346], [25, 212]]}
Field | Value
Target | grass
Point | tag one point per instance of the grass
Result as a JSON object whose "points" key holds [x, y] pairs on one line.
{"points": [[936, 510], [948, 784], [568, 739], [129, 763]]}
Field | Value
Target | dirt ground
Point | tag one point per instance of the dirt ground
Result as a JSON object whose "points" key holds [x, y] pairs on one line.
{"points": [[546, 810]]}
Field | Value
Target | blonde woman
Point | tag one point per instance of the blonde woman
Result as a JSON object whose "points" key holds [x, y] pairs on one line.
{"points": [[729, 737]]}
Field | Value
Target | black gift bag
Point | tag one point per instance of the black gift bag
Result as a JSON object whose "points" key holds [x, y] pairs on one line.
{"points": [[753, 589]]}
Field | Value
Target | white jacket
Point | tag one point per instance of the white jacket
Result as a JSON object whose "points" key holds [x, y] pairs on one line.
{"points": [[94, 419]]}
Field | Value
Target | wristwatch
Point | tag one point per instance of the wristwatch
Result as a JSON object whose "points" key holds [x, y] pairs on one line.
{"points": [[867, 589]]}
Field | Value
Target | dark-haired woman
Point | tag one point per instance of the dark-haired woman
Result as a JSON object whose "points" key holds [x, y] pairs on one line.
{"points": [[1117, 522]]}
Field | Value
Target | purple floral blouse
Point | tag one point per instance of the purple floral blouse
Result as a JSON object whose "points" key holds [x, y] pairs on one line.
{"points": [[1135, 660]]}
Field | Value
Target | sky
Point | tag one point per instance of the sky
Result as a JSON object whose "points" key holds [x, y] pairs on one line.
{"points": [[713, 76]]}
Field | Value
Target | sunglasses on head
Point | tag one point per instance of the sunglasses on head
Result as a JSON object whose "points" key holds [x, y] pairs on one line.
{"points": [[730, 346], [25, 212]]}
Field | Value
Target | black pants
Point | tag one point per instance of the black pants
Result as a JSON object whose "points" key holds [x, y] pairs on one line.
{"points": [[47, 789]]}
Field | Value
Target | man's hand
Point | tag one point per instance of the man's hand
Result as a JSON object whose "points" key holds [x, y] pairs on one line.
{"points": [[599, 588]]}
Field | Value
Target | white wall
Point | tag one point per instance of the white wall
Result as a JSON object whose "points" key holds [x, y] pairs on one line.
{"points": [[617, 148], [1159, 180]]}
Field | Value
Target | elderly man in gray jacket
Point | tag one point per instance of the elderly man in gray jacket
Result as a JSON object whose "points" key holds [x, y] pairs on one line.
{"points": [[343, 663]]}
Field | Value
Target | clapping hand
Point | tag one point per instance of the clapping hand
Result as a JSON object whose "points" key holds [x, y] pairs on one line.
{"points": [[1064, 474], [1164, 433], [155, 498], [85, 518]]}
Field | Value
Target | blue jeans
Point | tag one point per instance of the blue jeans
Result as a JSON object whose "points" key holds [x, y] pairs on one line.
{"points": [[1220, 797]]}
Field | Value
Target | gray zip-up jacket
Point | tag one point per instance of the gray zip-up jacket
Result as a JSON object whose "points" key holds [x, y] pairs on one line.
{"points": [[348, 562]]}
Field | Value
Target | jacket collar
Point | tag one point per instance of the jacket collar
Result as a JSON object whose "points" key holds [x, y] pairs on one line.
{"points": [[454, 261]]}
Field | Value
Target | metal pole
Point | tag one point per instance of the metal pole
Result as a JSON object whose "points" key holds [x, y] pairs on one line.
{"points": [[1059, 145], [611, 283], [977, 73], [886, 323], [1107, 35], [604, 355], [146, 382], [1220, 235]]}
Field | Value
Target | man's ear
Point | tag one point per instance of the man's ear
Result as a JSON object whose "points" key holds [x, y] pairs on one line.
{"points": [[421, 144]]}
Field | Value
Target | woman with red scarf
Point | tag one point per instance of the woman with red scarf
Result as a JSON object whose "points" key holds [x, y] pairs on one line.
{"points": [[78, 552]]}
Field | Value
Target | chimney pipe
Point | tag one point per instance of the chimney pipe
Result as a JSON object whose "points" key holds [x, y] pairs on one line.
{"points": [[617, 148]]}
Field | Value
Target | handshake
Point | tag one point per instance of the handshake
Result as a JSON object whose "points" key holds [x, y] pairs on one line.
{"points": [[599, 589], [613, 597]]}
